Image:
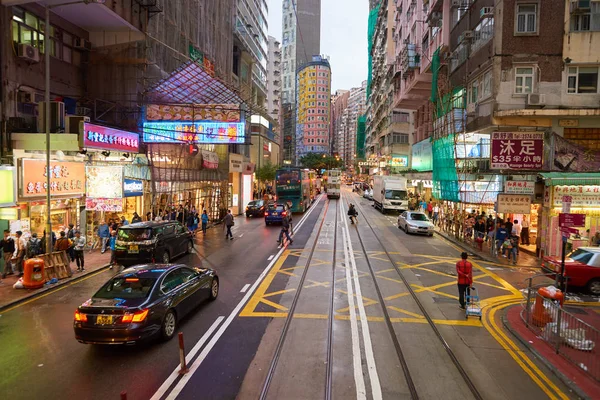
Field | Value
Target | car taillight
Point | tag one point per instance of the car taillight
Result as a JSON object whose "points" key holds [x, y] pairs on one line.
{"points": [[283, 214], [80, 317], [138, 316]]}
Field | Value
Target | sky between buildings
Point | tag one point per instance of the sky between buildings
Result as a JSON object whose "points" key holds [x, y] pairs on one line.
{"points": [[343, 38]]}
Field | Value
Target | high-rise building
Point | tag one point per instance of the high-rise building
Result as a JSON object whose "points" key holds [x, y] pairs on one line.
{"points": [[301, 37], [250, 49], [357, 102], [274, 78], [339, 104], [313, 108]]}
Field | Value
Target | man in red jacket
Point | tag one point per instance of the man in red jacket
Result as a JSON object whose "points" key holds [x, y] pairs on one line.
{"points": [[464, 270]]}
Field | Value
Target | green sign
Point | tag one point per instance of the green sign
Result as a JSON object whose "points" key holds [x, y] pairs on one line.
{"points": [[196, 54], [8, 194]]}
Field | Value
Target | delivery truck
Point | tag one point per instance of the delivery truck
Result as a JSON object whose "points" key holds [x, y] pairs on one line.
{"points": [[389, 193]]}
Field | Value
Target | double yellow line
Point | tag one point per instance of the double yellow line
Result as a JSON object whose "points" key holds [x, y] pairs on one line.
{"points": [[489, 322]]}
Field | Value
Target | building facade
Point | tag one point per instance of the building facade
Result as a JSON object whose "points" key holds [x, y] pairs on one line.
{"points": [[301, 39], [313, 108], [339, 105]]}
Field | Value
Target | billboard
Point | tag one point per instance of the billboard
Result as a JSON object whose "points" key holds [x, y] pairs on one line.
{"points": [[422, 156], [517, 150], [194, 132], [101, 137]]}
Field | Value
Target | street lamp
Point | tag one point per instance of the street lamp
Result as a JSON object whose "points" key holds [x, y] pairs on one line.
{"points": [[47, 44]]}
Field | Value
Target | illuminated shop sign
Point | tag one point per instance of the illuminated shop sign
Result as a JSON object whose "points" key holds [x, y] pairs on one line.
{"points": [[398, 161], [66, 178], [194, 132], [8, 183], [132, 187], [101, 137]]}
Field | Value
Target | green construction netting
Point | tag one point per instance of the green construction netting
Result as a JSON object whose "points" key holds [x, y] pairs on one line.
{"points": [[445, 177], [435, 68], [450, 102], [361, 136], [370, 33]]}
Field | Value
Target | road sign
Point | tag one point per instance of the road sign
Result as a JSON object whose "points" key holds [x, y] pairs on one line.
{"points": [[566, 220]]}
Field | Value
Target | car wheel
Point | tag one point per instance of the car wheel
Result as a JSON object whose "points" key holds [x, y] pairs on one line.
{"points": [[431, 235], [214, 289], [594, 287], [190, 247], [247, 215], [165, 258], [169, 325]]}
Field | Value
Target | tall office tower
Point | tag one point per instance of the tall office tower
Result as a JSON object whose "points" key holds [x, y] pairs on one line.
{"points": [[313, 108], [301, 37]]}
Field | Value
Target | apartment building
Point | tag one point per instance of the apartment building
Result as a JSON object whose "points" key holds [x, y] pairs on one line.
{"points": [[339, 105]]}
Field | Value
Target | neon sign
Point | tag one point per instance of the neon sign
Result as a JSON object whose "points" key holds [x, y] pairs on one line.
{"points": [[101, 137], [194, 132]]}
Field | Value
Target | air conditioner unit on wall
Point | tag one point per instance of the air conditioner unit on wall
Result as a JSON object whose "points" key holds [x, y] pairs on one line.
{"points": [[467, 35], [84, 44], [25, 96], [486, 12], [536, 99], [57, 117], [29, 53], [72, 123]]}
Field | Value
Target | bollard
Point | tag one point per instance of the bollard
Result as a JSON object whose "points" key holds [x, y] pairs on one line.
{"points": [[123, 395], [184, 369]]}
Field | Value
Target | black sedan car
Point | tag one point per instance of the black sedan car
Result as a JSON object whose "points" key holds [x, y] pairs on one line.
{"points": [[256, 208], [143, 302]]}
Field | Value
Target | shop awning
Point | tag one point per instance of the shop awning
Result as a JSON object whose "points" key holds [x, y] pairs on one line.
{"points": [[570, 178], [190, 84]]}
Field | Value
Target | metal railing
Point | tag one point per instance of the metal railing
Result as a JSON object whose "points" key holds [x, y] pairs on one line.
{"points": [[569, 336]]}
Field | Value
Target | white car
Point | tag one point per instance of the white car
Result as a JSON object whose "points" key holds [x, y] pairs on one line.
{"points": [[368, 194], [415, 222]]}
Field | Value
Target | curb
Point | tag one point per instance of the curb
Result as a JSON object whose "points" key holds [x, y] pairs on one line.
{"points": [[50, 288], [563, 378]]}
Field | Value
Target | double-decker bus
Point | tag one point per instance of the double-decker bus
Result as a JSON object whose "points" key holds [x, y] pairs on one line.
{"points": [[292, 185], [334, 180]]}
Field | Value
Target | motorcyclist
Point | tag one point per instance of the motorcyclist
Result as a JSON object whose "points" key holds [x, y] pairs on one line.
{"points": [[352, 213]]}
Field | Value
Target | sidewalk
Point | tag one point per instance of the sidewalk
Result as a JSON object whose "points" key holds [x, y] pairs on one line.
{"points": [[524, 260], [581, 383], [8, 296]]}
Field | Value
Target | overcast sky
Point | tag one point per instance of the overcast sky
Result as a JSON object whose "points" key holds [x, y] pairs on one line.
{"points": [[343, 38]]}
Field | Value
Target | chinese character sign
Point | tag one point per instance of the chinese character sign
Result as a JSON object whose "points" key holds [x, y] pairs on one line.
{"points": [[581, 196], [517, 150], [513, 204], [66, 178], [194, 132], [519, 187], [102, 137]]}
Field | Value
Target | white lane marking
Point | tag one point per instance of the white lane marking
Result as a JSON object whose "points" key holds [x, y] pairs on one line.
{"points": [[198, 361], [271, 257], [356, 355], [165, 386], [364, 324], [241, 235], [246, 286]]}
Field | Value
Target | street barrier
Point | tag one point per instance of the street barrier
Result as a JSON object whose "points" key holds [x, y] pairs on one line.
{"points": [[184, 369], [56, 265], [569, 336]]}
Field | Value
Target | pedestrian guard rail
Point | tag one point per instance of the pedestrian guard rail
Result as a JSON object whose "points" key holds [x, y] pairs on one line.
{"points": [[570, 337]]}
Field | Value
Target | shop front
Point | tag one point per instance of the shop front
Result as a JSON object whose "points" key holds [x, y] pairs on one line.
{"points": [[241, 184], [8, 196], [67, 187], [575, 199]]}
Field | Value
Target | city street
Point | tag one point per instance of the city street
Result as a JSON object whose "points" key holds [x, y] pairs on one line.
{"points": [[355, 332]]}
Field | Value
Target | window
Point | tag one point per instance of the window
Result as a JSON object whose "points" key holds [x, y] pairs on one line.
{"points": [[524, 80], [526, 18], [400, 138], [486, 89], [582, 80], [473, 89], [584, 20]]}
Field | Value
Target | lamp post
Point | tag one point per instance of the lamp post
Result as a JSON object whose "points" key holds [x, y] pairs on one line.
{"points": [[47, 44]]}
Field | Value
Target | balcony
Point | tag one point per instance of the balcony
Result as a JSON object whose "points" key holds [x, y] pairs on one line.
{"points": [[435, 43], [410, 59]]}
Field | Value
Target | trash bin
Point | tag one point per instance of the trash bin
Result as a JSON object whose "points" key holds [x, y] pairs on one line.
{"points": [[540, 316], [33, 273]]}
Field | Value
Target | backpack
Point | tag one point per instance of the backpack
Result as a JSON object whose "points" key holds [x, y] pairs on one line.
{"points": [[34, 248]]}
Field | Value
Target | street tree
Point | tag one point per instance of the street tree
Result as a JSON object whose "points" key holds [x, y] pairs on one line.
{"points": [[266, 172], [318, 161]]}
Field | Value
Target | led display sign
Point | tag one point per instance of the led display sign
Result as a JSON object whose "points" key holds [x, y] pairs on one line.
{"points": [[194, 132]]}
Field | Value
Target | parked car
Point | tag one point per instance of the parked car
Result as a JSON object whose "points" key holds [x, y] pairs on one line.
{"points": [[151, 241], [256, 208], [368, 194], [143, 302], [275, 213], [582, 268], [415, 222]]}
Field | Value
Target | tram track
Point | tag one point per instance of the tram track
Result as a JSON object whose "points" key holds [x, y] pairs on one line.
{"points": [[292, 309], [394, 336]]}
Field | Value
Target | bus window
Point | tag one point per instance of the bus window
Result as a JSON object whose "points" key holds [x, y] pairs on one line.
{"points": [[286, 177]]}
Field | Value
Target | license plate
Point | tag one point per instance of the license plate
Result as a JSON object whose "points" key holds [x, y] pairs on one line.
{"points": [[274, 213], [104, 319], [134, 249]]}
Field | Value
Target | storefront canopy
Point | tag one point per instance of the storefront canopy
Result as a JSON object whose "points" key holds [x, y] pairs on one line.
{"points": [[570, 178], [190, 84]]}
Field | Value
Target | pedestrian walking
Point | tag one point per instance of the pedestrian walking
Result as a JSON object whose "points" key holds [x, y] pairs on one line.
{"points": [[525, 231], [79, 246], [70, 236], [8, 248], [104, 234], [136, 218], [124, 221], [34, 247], [436, 213], [112, 243], [285, 230], [204, 221], [352, 213], [228, 222], [464, 271], [63, 243], [20, 252]]}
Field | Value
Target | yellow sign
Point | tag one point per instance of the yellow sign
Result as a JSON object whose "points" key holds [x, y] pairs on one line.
{"points": [[9, 213], [8, 194]]}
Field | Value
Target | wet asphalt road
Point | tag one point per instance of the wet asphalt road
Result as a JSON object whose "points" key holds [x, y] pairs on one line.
{"points": [[41, 359]]}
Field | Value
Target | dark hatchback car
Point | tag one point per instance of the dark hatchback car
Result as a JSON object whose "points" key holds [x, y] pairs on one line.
{"points": [[256, 208], [152, 242], [143, 302], [276, 212]]}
